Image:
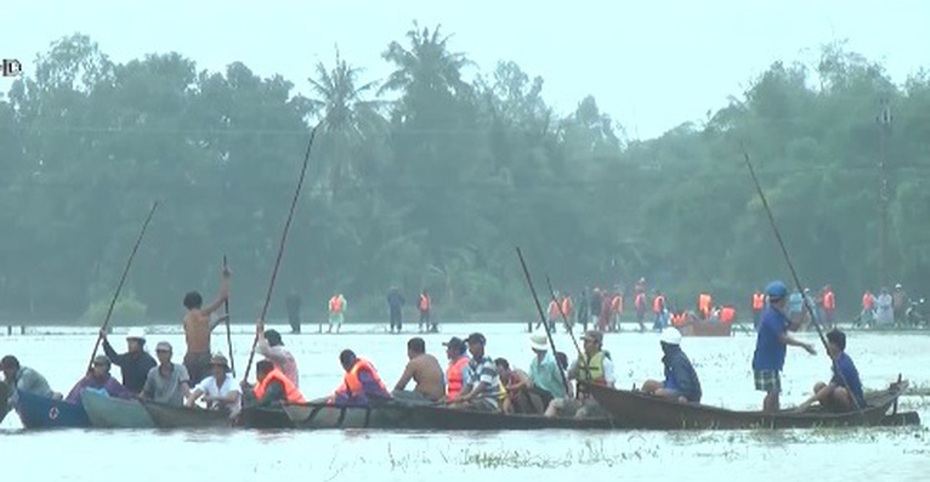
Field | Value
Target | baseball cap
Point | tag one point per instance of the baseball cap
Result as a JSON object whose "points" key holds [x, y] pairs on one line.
{"points": [[273, 337], [454, 342], [776, 289]]}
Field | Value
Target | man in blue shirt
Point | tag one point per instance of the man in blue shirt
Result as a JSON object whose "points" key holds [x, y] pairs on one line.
{"points": [[771, 345], [844, 392]]}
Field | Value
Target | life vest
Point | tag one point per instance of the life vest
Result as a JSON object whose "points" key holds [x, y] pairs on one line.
{"points": [[678, 319], [704, 302], [553, 310], [454, 377], [640, 301], [758, 301], [868, 301], [352, 386], [567, 306], [291, 391], [595, 370], [829, 300], [658, 303], [424, 302], [335, 304], [616, 304], [727, 314]]}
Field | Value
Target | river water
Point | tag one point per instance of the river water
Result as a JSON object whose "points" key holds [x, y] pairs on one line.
{"points": [[723, 365]]}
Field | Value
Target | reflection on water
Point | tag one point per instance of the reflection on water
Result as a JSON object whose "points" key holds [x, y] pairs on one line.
{"points": [[723, 365]]}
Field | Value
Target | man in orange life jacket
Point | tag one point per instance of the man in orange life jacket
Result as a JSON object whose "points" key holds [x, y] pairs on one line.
{"points": [[273, 387], [361, 383], [424, 306], [758, 304], [458, 374], [553, 312], [337, 309], [658, 309], [829, 306], [639, 302]]}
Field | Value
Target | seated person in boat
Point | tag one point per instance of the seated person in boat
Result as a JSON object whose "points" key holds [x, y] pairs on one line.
{"points": [[271, 347], [458, 374], [424, 369], [273, 387], [844, 392], [518, 396], [20, 378], [483, 392], [681, 381], [593, 367], [360, 385], [545, 377], [99, 378], [168, 382], [219, 391]]}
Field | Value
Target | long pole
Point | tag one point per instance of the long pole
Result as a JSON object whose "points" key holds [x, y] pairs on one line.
{"points": [[122, 280], [232, 360], [794, 274], [277, 262], [884, 126], [542, 317]]}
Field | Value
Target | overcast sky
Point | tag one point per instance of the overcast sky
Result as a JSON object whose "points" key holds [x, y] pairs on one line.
{"points": [[651, 64]]}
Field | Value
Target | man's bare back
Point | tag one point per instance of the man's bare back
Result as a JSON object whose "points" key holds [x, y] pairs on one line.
{"points": [[197, 332], [426, 372]]}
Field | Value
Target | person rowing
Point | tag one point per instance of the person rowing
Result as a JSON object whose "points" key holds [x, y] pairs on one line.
{"points": [[198, 326], [135, 364], [271, 346], [681, 381]]}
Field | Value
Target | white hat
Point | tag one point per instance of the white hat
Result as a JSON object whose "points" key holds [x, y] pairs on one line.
{"points": [[137, 333], [671, 335], [539, 342]]}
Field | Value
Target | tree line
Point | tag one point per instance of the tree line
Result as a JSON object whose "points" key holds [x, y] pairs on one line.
{"points": [[434, 187]]}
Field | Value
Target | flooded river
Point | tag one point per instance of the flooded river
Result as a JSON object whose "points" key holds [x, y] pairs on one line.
{"points": [[723, 365]]}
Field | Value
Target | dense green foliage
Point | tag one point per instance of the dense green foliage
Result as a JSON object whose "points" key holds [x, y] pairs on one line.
{"points": [[424, 179]]}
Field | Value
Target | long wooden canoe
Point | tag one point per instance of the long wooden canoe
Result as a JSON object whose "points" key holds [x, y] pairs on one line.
{"points": [[706, 328], [108, 412], [170, 416], [41, 412], [398, 416], [642, 411]]}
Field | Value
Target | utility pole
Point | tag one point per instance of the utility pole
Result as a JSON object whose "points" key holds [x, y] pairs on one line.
{"points": [[884, 133]]}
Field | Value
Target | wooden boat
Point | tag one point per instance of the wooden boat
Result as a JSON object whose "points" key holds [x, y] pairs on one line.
{"points": [[398, 416], [642, 411], [705, 328], [108, 412], [41, 412], [170, 416]]}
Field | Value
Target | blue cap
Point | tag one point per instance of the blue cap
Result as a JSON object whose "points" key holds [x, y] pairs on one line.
{"points": [[776, 289]]}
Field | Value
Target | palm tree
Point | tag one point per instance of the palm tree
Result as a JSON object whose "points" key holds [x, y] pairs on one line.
{"points": [[349, 123]]}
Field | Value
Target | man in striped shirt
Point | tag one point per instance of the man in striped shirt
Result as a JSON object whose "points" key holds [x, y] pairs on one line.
{"points": [[485, 388]]}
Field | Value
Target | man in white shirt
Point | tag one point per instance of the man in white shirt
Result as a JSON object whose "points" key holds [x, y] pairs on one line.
{"points": [[219, 390]]}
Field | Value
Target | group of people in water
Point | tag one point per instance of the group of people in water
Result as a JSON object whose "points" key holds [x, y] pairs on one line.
{"points": [[471, 380]]}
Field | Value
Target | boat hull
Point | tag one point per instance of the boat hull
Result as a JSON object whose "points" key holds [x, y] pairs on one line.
{"points": [[706, 329], [40, 412], [4, 399], [643, 411], [106, 412], [169, 416]]}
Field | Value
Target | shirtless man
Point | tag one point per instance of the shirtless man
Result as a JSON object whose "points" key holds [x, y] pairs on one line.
{"points": [[197, 329], [424, 369]]}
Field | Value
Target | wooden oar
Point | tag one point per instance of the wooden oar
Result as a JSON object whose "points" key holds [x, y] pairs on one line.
{"points": [[542, 317], [797, 281], [232, 359], [277, 262], [119, 287]]}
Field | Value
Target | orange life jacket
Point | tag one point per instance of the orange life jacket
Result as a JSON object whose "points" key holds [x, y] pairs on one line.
{"points": [[657, 304], [829, 301], [616, 304], [678, 319], [553, 310], [335, 304], [640, 301], [704, 302], [758, 301], [424, 302], [351, 385], [291, 391], [567, 306], [454, 377], [868, 301], [727, 314]]}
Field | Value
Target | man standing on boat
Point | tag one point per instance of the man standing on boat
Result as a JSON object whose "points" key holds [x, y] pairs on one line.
{"points": [[168, 382], [135, 363], [198, 326], [771, 345], [844, 392], [271, 347]]}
